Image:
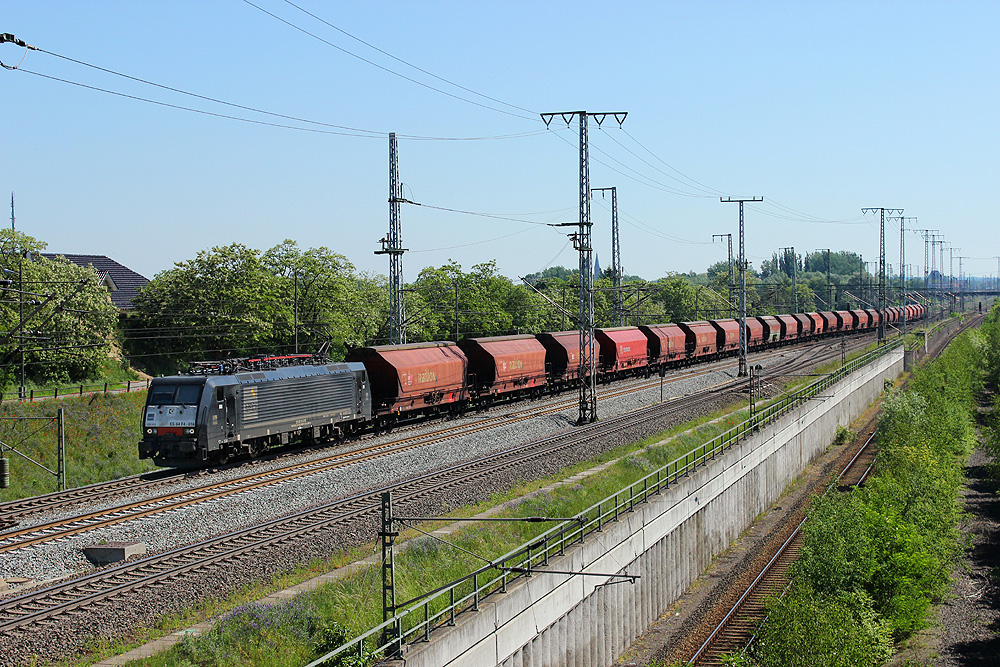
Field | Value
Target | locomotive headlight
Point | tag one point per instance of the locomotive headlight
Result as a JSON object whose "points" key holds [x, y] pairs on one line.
{"points": [[189, 431], [150, 431]]}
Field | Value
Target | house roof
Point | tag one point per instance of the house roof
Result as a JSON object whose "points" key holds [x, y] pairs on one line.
{"points": [[122, 282]]}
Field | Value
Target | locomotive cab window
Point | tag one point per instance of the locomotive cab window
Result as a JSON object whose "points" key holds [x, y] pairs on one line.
{"points": [[220, 394], [174, 394]]}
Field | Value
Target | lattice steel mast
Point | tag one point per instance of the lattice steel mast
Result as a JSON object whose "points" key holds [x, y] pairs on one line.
{"points": [[732, 287], [617, 311], [902, 265], [881, 264], [392, 246], [742, 266], [581, 241]]}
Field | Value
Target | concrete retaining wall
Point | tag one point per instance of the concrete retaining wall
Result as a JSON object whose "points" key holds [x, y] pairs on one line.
{"points": [[586, 621]]}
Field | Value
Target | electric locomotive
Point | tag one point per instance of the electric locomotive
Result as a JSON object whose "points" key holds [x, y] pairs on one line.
{"points": [[229, 408]]}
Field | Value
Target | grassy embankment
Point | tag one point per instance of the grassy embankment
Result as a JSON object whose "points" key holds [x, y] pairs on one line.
{"points": [[873, 561], [101, 436], [293, 633], [108, 426]]}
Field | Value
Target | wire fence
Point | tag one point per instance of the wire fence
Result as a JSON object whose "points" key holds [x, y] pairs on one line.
{"points": [[80, 390], [417, 618]]}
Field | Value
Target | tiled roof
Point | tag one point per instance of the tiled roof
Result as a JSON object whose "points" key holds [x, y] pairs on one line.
{"points": [[124, 283]]}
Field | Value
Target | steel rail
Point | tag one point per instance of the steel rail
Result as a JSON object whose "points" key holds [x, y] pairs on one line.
{"points": [[11, 540], [63, 598], [710, 649], [17, 509]]}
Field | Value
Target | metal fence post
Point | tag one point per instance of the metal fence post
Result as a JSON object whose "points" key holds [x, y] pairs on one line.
{"points": [[61, 439]]}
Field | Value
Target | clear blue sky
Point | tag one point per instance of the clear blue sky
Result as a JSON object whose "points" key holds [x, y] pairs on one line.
{"points": [[820, 107]]}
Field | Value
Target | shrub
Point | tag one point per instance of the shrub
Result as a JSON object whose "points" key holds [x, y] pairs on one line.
{"points": [[807, 628]]}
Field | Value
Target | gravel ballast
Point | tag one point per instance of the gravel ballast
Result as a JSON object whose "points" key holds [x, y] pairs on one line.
{"points": [[249, 508]]}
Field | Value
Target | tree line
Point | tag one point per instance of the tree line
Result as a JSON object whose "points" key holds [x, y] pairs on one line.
{"points": [[236, 301]]}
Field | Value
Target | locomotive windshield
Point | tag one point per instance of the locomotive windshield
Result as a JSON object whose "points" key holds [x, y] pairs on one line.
{"points": [[174, 394]]}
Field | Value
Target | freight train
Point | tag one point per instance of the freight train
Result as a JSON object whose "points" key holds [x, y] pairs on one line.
{"points": [[225, 409]]}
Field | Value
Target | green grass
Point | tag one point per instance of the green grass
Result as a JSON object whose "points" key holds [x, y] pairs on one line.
{"points": [[353, 604], [101, 436], [113, 372]]}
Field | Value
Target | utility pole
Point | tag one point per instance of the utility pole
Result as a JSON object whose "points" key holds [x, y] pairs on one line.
{"points": [[732, 287], [388, 536], [942, 244], [881, 264], [588, 360], [951, 273], [902, 267], [455, 285], [392, 246], [935, 284], [861, 274], [61, 449], [925, 234], [961, 284], [795, 283], [21, 391], [617, 312], [743, 285], [829, 285]]}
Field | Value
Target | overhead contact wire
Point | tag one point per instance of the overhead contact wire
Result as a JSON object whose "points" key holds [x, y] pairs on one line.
{"points": [[409, 64], [386, 69]]}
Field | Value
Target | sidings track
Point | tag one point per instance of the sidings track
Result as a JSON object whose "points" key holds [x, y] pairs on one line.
{"points": [[86, 594]]}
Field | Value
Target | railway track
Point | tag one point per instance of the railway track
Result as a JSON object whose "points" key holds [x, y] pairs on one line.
{"points": [[15, 538], [736, 629], [15, 510], [47, 605], [738, 626]]}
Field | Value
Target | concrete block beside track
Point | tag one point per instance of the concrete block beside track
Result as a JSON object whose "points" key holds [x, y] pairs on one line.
{"points": [[589, 621], [113, 552]]}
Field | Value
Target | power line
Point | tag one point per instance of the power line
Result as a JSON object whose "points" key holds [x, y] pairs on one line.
{"points": [[495, 216], [409, 64], [348, 132], [386, 69], [702, 185], [467, 245]]}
